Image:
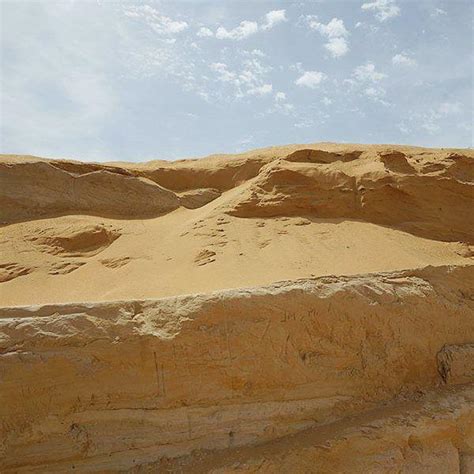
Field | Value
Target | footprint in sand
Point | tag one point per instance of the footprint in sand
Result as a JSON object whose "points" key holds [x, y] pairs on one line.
{"points": [[222, 221], [63, 268], [10, 271], [204, 257], [116, 262]]}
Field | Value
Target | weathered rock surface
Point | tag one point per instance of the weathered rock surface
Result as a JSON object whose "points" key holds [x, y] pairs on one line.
{"points": [[430, 433], [113, 385], [456, 363]]}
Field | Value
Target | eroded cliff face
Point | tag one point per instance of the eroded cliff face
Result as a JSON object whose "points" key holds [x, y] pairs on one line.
{"points": [[292, 309], [113, 385]]}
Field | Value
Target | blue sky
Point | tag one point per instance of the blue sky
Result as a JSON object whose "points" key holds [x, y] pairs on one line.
{"points": [[102, 80]]}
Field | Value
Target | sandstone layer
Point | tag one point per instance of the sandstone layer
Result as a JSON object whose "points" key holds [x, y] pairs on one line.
{"points": [[292, 309]]}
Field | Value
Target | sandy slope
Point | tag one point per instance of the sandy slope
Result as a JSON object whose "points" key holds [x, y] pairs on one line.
{"points": [[228, 221], [178, 254]]}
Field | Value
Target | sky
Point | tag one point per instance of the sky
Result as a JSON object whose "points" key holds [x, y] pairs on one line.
{"points": [[119, 80]]}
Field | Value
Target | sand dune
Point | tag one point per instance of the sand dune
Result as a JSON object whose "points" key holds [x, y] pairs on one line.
{"points": [[229, 221], [177, 315]]}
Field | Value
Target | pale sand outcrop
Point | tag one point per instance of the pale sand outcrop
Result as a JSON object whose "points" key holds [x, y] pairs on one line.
{"points": [[225, 369], [291, 309]]}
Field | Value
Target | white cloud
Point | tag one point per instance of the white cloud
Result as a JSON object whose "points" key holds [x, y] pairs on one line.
{"points": [[298, 67], [248, 28], [224, 74], [280, 105], [430, 127], [384, 9], [310, 79], [333, 29], [438, 12], [336, 33], [403, 60], [249, 79], [368, 27], [280, 96], [376, 94], [404, 128], [365, 79], [256, 67], [368, 73], [158, 58], [204, 32], [244, 30], [204, 95], [264, 89], [132, 13], [337, 47], [305, 123], [169, 26], [286, 108], [244, 142], [273, 18], [327, 101], [258, 52], [431, 119], [449, 108], [160, 23]]}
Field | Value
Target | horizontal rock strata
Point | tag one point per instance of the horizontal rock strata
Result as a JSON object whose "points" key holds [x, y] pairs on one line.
{"points": [[113, 385]]}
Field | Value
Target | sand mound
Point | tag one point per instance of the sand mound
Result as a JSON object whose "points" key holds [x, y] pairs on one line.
{"points": [[37, 189], [306, 308], [198, 197], [322, 156], [73, 240], [435, 205]]}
